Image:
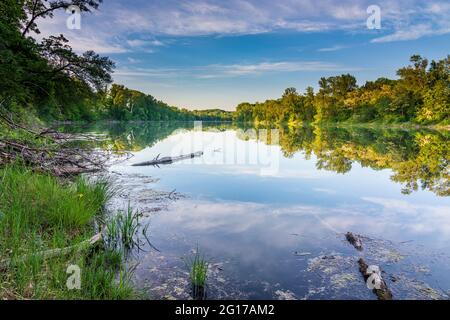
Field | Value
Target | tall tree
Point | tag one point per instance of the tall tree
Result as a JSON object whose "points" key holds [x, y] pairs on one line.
{"points": [[36, 9]]}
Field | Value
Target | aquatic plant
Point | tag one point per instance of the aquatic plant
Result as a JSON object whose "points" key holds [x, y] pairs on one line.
{"points": [[198, 273], [122, 228]]}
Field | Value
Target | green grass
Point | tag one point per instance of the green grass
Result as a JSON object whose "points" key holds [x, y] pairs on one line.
{"points": [[198, 273], [122, 228], [38, 212]]}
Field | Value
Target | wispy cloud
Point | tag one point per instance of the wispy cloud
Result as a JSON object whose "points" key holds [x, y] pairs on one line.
{"points": [[269, 67], [235, 70], [133, 60], [424, 20], [332, 49], [123, 26], [412, 33]]}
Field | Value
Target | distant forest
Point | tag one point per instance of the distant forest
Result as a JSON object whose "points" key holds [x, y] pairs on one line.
{"points": [[53, 82], [420, 95], [50, 80]]}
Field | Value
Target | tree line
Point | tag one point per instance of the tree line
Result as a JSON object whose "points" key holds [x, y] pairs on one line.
{"points": [[421, 94], [52, 81]]}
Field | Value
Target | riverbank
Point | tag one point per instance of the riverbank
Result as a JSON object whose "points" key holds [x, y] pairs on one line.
{"points": [[47, 224], [40, 213]]}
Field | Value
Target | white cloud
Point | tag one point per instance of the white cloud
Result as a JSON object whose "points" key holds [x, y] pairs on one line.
{"points": [[102, 46], [133, 60], [331, 49], [108, 30], [417, 218], [136, 43], [270, 67], [415, 21], [139, 43], [412, 33], [233, 70]]}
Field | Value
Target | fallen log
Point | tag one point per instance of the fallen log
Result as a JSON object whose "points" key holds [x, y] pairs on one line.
{"points": [[354, 240], [381, 289], [48, 254], [168, 160]]}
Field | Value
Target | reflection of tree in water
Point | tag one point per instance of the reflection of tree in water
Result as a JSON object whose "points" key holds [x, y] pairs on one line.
{"points": [[418, 158], [135, 136]]}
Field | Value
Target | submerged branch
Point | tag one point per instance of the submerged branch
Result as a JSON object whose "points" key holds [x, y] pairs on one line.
{"points": [[168, 160], [381, 289]]}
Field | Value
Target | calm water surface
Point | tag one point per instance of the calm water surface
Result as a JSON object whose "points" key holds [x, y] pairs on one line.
{"points": [[274, 227]]}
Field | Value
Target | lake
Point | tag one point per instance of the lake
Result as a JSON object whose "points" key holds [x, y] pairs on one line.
{"points": [[269, 208]]}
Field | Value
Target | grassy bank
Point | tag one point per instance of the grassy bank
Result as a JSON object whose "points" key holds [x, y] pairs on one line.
{"points": [[39, 212]]}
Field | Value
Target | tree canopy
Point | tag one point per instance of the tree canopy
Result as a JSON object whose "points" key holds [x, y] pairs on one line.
{"points": [[421, 94]]}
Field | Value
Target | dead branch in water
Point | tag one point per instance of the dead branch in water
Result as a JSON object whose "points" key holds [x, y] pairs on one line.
{"points": [[54, 159], [53, 156], [354, 240], [167, 160]]}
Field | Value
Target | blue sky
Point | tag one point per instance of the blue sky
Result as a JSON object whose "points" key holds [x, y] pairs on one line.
{"points": [[211, 53]]}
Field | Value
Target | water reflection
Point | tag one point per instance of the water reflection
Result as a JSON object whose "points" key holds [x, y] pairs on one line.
{"points": [[419, 159], [281, 236]]}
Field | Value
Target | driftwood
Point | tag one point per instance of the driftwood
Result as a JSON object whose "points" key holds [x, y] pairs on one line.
{"points": [[48, 254], [168, 160], [354, 240], [53, 156], [383, 292]]}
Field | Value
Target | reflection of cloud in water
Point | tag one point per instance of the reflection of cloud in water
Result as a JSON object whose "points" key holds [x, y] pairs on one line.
{"points": [[256, 233], [417, 218], [272, 226], [282, 173]]}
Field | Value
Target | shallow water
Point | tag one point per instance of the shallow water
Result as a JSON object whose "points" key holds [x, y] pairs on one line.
{"points": [[273, 226]]}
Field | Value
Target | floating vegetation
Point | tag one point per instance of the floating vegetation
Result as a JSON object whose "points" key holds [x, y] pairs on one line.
{"points": [[343, 280], [337, 278], [138, 190], [285, 295], [418, 290], [390, 255]]}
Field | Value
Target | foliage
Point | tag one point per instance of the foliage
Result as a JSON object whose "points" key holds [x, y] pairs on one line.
{"points": [[121, 103], [122, 228], [198, 273], [51, 80], [421, 94], [418, 159], [39, 213]]}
